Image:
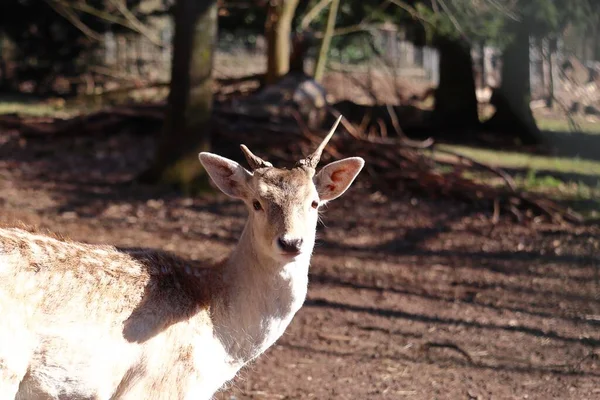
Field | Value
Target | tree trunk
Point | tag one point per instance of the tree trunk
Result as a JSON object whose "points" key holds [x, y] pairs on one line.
{"points": [[3, 68], [278, 29], [513, 114], [301, 44], [455, 98], [595, 34], [482, 76], [185, 132], [322, 59], [552, 48], [542, 71]]}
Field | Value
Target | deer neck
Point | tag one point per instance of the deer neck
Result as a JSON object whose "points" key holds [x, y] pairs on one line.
{"points": [[261, 295]]}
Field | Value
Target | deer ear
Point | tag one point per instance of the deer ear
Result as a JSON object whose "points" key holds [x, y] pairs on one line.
{"points": [[335, 178], [230, 177]]}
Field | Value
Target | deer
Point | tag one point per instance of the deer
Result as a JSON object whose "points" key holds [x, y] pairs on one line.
{"points": [[93, 321]]}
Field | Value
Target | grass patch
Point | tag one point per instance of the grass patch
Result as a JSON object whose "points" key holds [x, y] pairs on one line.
{"points": [[515, 160], [31, 109], [562, 125], [578, 196], [573, 182], [55, 108]]}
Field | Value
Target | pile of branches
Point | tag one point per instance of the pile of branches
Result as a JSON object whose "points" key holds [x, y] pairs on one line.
{"points": [[394, 164]]}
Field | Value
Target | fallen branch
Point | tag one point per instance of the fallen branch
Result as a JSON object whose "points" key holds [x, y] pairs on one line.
{"points": [[505, 176], [447, 345]]}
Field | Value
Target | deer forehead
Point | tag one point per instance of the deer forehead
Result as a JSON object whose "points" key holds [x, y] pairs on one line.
{"points": [[284, 186]]}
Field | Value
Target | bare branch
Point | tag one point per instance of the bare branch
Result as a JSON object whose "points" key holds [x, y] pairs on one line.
{"points": [[451, 17], [313, 13], [73, 18], [84, 7], [506, 10], [135, 22], [412, 11], [106, 16], [363, 25], [506, 177]]}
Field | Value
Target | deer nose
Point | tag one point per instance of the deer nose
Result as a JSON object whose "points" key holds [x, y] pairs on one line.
{"points": [[290, 245]]}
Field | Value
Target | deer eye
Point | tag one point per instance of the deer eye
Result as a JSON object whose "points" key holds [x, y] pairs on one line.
{"points": [[314, 204], [256, 205]]}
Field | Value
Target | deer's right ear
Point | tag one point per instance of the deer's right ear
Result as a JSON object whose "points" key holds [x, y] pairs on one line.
{"points": [[230, 177]]}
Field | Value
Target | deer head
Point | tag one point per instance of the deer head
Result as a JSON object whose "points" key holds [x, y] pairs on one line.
{"points": [[283, 203]]}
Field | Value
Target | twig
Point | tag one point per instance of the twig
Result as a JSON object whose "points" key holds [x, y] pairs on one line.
{"points": [[111, 18], [345, 123], [394, 119], [447, 345], [382, 128], [136, 23], [412, 11], [70, 16], [106, 16], [404, 140], [496, 215], [452, 17], [506, 177], [514, 211], [313, 13]]}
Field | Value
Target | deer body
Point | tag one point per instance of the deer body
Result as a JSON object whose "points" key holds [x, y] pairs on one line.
{"points": [[80, 321]]}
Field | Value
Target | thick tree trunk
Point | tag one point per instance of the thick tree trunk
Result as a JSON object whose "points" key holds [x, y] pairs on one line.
{"points": [[513, 114], [186, 132], [278, 29], [455, 98]]}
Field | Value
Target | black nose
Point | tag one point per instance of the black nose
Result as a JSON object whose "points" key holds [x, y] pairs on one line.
{"points": [[290, 245]]}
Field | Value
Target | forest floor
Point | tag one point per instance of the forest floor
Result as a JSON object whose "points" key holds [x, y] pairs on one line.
{"points": [[408, 298]]}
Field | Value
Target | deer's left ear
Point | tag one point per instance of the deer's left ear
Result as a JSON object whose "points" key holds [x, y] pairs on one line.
{"points": [[228, 175], [335, 178]]}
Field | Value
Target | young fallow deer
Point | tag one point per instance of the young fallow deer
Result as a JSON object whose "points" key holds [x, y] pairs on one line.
{"points": [[81, 321]]}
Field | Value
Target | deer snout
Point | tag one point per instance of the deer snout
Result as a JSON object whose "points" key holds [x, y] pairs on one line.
{"points": [[290, 245]]}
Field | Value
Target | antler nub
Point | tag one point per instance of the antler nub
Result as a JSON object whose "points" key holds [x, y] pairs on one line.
{"points": [[254, 161]]}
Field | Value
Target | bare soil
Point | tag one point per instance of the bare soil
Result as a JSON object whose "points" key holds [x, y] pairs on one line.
{"points": [[409, 298]]}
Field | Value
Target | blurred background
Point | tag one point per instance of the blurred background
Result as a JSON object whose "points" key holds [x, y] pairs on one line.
{"points": [[463, 263]]}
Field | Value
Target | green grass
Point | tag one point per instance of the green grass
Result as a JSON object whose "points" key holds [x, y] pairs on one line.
{"points": [[517, 160], [38, 109], [551, 176], [562, 125]]}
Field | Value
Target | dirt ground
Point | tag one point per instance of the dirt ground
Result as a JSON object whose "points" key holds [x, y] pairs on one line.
{"points": [[409, 298]]}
